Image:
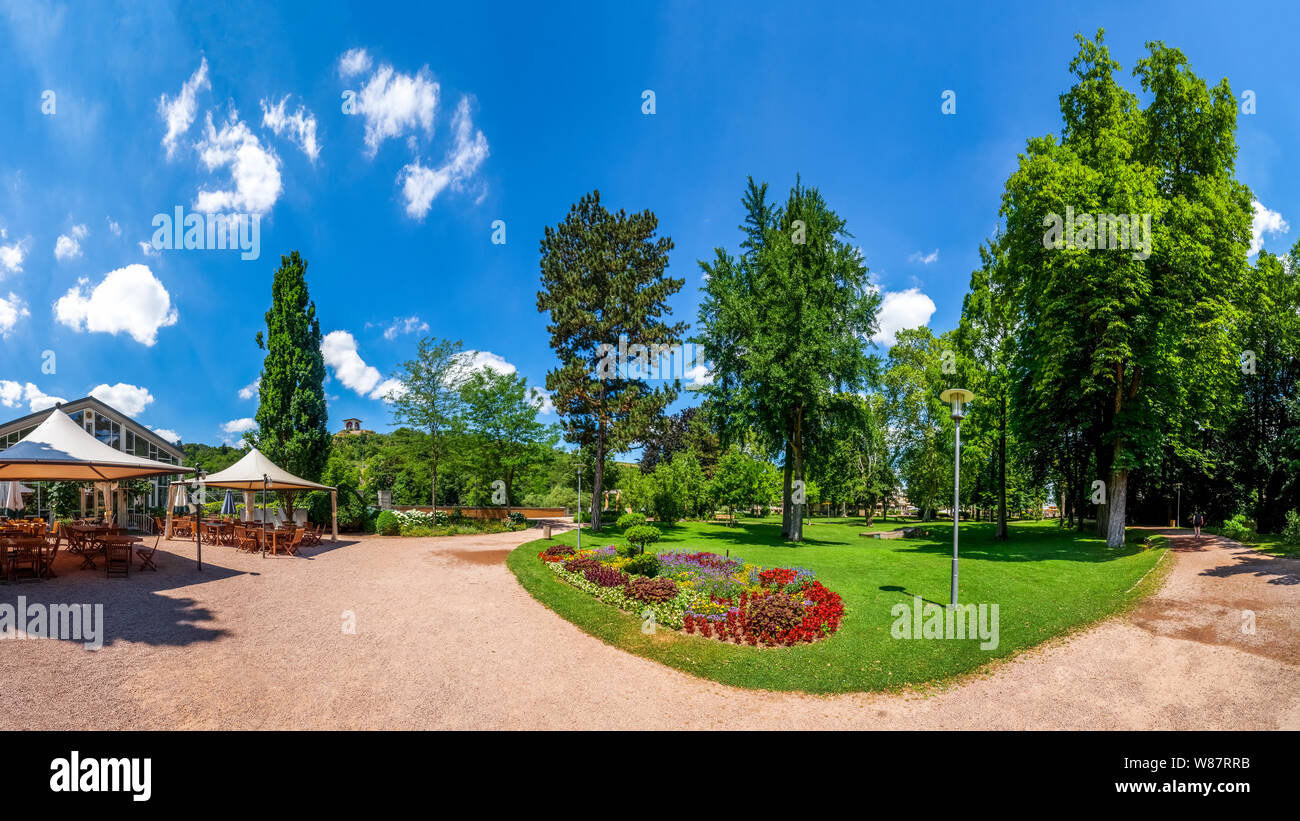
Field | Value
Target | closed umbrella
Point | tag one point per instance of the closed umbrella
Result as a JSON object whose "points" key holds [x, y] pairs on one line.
{"points": [[13, 498], [228, 506]]}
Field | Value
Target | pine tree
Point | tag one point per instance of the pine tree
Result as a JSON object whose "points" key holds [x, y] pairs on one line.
{"points": [[604, 282]]}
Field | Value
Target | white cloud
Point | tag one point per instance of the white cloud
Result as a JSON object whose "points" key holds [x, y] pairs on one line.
{"points": [[178, 112], [147, 248], [129, 300], [301, 126], [340, 351], [11, 310], [353, 62], [254, 170], [698, 376], [129, 399], [169, 435], [11, 393], [38, 400], [1264, 222], [421, 185], [239, 426], [902, 309], [394, 104], [543, 400], [11, 256], [411, 324], [113, 227], [69, 247], [471, 361], [925, 259], [251, 389]]}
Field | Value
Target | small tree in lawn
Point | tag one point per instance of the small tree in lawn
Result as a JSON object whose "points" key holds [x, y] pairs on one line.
{"points": [[428, 397], [292, 419], [641, 535]]}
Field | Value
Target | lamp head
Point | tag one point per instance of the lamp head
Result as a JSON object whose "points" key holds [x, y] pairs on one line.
{"points": [[958, 397]]}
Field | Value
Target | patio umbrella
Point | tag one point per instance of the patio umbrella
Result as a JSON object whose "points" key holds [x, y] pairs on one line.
{"points": [[228, 506], [13, 498]]}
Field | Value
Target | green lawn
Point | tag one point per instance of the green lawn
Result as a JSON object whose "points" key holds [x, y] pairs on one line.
{"points": [[1045, 581], [1271, 543]]}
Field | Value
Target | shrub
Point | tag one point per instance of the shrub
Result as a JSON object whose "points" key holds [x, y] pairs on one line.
{"points": [[387, 524], [628, 520], [651, 590], [605, 576], [646, 564], [581, 565], [1291, 531], [642, 535], [1238, 529], [516, 519], [771, 617], [559, 550]]}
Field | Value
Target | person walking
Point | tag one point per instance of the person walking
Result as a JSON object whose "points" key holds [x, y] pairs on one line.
{"points": [[1198, 522]]}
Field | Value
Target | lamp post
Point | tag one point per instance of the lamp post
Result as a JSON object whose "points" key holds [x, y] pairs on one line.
{"points": [[1178, 510], [266, 480], [201, 474], [958, 397], [579, 496]]}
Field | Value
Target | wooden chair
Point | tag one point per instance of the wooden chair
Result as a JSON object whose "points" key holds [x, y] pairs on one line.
{"points": [[145, 555], [312, 536], [295, 542], [246, 539], [49, 554], [23, 554], [117, 557]]}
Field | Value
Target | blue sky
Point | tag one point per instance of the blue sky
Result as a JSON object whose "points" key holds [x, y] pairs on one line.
{"points": [[465, 114]]}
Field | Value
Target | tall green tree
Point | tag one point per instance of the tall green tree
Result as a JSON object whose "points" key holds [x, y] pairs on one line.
{"points": [[986, 337], [292, 420], [784, 324], [604, 283], [920, 427], [1122, 349], [429, 399], [501, 421]]}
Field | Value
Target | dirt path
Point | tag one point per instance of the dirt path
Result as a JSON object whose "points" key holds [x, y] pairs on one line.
{"points": [[446, 638]]}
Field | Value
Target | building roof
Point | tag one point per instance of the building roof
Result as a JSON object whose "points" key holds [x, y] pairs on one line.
{"points": [[98, 406]]}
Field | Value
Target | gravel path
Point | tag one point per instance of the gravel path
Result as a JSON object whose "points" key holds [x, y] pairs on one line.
{"points": [[446, 638]]}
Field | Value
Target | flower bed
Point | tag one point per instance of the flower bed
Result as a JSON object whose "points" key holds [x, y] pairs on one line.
{"points": [[706, 594]]}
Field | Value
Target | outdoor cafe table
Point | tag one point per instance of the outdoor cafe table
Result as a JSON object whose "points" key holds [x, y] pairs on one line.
{"points": [[98, 543], [11, 544], [79, 536], [275, 537]]}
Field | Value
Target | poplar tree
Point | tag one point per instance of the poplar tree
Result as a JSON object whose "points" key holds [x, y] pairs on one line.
{"points": [[292, 420]]}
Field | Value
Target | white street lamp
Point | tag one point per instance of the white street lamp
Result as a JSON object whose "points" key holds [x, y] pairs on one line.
{"points": [[958, 397]]}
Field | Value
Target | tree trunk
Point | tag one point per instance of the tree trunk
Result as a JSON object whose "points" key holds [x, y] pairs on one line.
{"points": [[796, 447], [598, 481], [787, 472], [1002, 534], [1118, 503]]}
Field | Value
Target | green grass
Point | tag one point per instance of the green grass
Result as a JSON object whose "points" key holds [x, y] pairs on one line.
{"points": [[1047, 582], [1271, 543]]}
